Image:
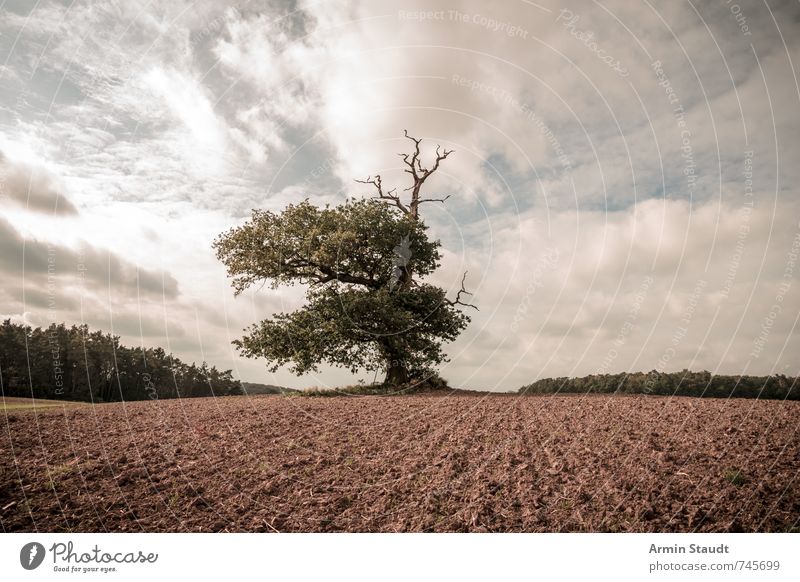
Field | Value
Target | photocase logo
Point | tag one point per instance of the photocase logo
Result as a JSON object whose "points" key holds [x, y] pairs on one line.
{"points": [[31, 555]]}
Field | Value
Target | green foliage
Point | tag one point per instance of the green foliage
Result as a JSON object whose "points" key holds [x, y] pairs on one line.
{"points": [[734, 477], [357, 329], [683, 383], [355, 316], [73, 363], [352, 243]]}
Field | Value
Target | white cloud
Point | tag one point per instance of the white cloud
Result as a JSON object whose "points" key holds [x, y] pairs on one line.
{"points": [[203, 138]]}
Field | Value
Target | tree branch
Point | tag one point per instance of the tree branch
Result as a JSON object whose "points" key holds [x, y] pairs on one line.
{"points": [[317, 274], [346, 278], [458, 296], [413, 163], [434, 199], [419, 174], [389, 196], [439, 158]]}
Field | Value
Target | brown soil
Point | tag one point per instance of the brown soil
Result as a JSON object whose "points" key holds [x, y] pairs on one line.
{"points": [[411, 463]]}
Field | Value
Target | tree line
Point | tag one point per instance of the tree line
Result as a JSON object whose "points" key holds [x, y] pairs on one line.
{"points": [[683, 383], [74, 363]]}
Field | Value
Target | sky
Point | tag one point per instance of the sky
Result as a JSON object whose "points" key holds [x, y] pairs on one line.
{"points": [[623, 190]]}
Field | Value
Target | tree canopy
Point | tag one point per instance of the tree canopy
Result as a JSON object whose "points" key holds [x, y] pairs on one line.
{"points": [[352, 243]]}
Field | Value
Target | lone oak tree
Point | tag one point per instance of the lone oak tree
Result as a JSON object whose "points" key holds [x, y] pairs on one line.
{"points": [[363, 262]]}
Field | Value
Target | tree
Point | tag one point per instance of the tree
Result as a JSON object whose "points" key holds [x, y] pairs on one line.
{"points": [[363, 263], [75, 364]]}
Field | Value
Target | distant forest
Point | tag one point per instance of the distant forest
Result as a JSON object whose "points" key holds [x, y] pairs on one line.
{"points": [[684, 383], [73, 363]]}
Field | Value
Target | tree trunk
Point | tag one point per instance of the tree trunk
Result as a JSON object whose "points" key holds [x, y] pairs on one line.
{"points": [[396, 373], [396, 370]]}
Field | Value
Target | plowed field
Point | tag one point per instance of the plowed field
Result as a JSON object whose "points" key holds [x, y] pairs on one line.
{"points": [[411, 463]]}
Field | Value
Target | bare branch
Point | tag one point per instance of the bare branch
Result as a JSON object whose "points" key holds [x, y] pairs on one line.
{"points": [[434, 199], [376, 182], [410, 163], [415, 156], [439, 157], [420, 173], [458, 296], [389, 196]]}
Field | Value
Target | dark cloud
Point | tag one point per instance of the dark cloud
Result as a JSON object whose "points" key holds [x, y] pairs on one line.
{"points": [[155, 328], [100, 270], [33, 188], [39, 299]]}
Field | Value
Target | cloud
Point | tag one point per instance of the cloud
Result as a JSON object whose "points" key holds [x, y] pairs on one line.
{"points": [[205, 140], [35, 261], [33, 188], [667, 275]]}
